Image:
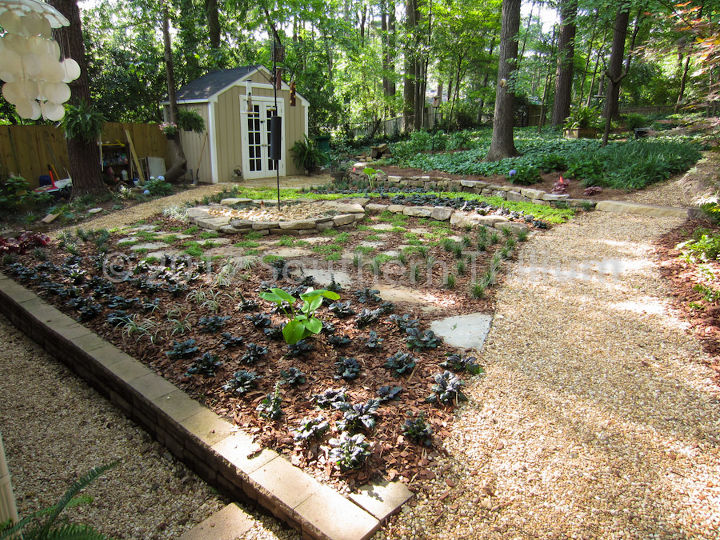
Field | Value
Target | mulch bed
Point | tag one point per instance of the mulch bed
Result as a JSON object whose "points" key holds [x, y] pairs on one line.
{"points": [[705, 322], [575, 188], [393, 455]]}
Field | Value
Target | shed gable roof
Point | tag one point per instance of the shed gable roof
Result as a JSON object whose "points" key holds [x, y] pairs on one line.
{"points": [[208, 85]]}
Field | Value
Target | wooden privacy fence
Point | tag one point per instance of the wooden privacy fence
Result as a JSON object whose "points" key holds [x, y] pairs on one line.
{"points": [[28, 150]]}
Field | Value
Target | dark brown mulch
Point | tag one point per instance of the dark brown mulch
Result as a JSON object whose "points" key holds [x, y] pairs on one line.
{"points": [[393, 455], [575, 189], [683, 276]]}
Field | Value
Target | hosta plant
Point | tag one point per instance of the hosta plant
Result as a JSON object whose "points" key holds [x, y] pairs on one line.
{"points": [[302, 323], [206, 365], [417, 430], [349, 451], [310, 428], [242, 382], [447, 389], [400, 363]]}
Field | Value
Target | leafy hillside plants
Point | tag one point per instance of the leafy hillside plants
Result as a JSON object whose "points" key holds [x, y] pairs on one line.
{"points": [[621, 164]]}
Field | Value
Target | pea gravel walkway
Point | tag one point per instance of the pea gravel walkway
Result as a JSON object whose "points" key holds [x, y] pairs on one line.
{"points": [[56, 428], [596, 417]]}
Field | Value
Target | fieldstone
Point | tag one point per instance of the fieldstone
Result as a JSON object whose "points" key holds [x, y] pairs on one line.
{"points": [[213, 223], [231, 200], [230, 522], [499, 193], [49, 218], [465, 219], [325, 277], [514, 226], [441, 213], [383, 227], [516, 189], [362, 201], [540, 201], [348, 208], [426, 302], [128, 240], [374, 208], [325, 225], [241, 223], [418, 211], [555, 196], [290, 252], [95, 211], [343, 219], [464, 331], [396, 208], [516, 196], [372, 244], [160, 255], [395, 179], [471, 183], [579, 203], [229, 229], [149, 246], [532, 193], [197, 211], [298, 224], [258, 225]]}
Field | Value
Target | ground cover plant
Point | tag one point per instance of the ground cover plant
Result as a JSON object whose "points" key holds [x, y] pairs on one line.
{"points": [[223, 337], [626, 165]]}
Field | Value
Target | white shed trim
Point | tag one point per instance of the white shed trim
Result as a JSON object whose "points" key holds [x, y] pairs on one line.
{"points": [[211, 142]]}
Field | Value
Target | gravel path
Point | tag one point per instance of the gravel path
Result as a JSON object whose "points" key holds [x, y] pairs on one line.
{"points": [[55, 428], [596, 417]]}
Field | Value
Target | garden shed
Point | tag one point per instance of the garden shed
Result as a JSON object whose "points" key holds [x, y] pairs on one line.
{"points": [[236, 105]]}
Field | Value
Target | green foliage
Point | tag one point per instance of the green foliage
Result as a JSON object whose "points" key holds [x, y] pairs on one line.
{"points": [[418, 430], [15, 194], [159, 187], [704, 247], [349, 451], [190, 120], [307, 155], [43, 524], [634, 121], [583, 117], [524, 175], [82, 121], [302, 323]]}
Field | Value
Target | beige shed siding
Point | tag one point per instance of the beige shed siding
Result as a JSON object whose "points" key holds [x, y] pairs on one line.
{"points": [[228, 118], [192, 143]]}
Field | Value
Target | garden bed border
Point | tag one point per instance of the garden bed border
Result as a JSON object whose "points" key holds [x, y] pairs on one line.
{"points": [[221, 454]]}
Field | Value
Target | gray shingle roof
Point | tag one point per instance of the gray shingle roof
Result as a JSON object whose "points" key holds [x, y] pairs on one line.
{"points": [[210, 84]]}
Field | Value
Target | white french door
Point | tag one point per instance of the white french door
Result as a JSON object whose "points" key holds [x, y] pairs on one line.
{"points": [[256, 137]]}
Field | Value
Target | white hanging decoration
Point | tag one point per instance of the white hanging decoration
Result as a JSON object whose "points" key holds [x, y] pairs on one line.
{"points": [[30, 62]]}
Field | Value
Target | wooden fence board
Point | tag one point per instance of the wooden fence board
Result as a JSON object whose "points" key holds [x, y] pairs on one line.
{"points": [[27, 150]]}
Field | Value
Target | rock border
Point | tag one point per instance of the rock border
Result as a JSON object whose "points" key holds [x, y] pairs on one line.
{"points": [[213, 447]]}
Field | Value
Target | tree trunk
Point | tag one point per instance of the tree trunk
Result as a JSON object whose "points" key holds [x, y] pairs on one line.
{"points": [[211, 11], [566, 54], [392, 44], [412, 15], [178, 168], [502, 144], [614, 72], [85, 167], [683, 83]]}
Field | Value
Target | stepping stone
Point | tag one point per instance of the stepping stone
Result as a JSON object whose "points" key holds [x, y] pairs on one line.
{"points": [[149, 246], [178, 236], [315, 240], [228, 524], [420, 230], [325, 277], [165, 253], [391, 253], [290, 252], [426, 301], [224, 251], [218, 241], [95, 211], [464, 331], [372, 244], [383, 227], [143, 228], [128, 240]]}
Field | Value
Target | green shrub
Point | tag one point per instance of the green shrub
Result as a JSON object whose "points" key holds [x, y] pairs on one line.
{"points": [[524, 175], [307, 155], [15, 194], [82, 121], [190, 120], [583, 117], [634, 120], [158, 187]]}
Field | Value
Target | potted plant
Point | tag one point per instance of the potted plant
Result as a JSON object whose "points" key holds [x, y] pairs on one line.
{"points": [[170, 129], [583, 123]]}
